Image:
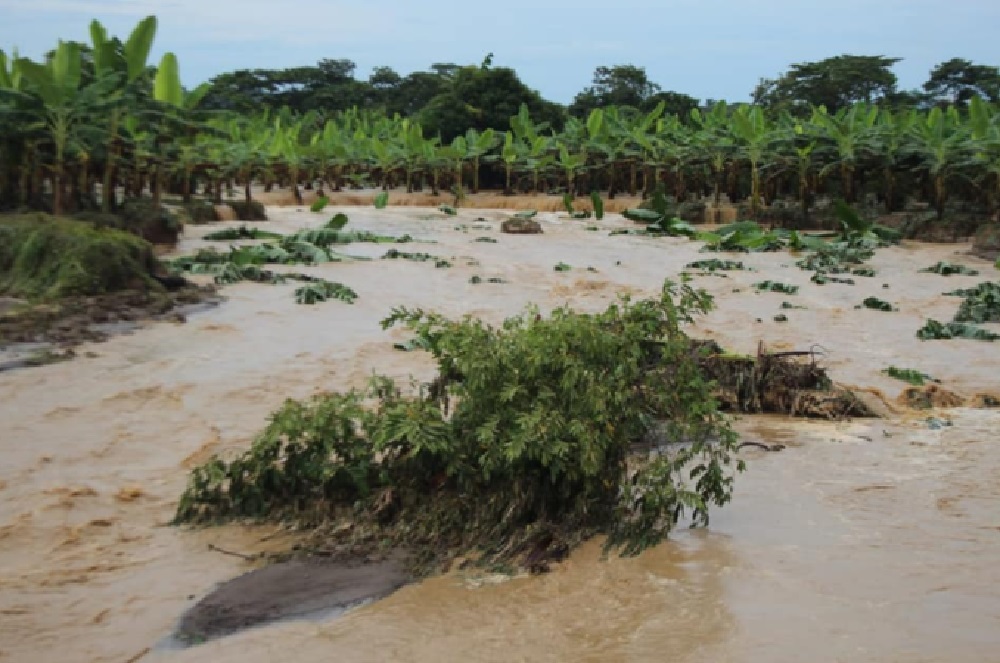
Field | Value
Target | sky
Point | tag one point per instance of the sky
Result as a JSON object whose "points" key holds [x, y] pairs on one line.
{"points": [[715, 49]]}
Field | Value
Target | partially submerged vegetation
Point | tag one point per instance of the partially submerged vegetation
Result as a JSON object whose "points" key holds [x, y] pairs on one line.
{"points": [[908, 375], [518, 450], [980, 305], [533, 436], [947, 269]]}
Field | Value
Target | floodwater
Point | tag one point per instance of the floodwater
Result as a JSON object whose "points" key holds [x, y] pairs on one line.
{"points": [[862, 541]]}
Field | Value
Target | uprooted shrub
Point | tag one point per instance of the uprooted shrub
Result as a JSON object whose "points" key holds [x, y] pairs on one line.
{"points": [[522, 447]]}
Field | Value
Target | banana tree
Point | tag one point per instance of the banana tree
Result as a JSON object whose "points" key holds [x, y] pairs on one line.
{"points": [[941, 143], [714, 144], [754, 133], [129, 64], [891, 133], [984, 123], [538, 159], [510, 154], [850, 131], [571, 164], [168, 91], [66, 106], [479, 144]]}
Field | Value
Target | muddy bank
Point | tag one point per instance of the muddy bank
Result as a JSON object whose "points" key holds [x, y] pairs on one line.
{"points": [[37, 334], [857, 542], [289, 590]]}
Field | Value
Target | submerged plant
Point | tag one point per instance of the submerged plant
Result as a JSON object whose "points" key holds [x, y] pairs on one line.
{"points": [[908, 375], [947, 269], [877, 304], [715, 264], [774, 286], [322, 290], [937, 330]]}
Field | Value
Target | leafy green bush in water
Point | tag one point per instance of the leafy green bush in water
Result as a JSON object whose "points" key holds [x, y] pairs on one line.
{"points": [[562, 267], [381, 200], [947, 269], [319, 204], [909, 375], [521, 447]]}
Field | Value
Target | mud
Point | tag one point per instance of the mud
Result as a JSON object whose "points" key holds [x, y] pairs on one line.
{"points": [[31, 332], [288, 590], [860, 541]]}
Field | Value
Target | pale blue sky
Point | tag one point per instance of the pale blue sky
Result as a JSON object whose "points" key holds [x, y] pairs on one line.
{"points": [[708, 49]]}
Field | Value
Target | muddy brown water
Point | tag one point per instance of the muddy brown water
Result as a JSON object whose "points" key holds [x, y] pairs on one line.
{"points": [[863, 541]]}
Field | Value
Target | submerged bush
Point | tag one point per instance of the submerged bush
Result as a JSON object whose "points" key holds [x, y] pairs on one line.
{"points": [[522, 446], [49, 257]]}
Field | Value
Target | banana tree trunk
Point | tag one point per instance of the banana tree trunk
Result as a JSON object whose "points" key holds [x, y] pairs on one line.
{"points": [[611, 180], [475, 175], [940, 196], [754, 190], [108, 201]]}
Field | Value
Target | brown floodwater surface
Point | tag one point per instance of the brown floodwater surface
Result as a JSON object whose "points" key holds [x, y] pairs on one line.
{"points": [[863, 541]]}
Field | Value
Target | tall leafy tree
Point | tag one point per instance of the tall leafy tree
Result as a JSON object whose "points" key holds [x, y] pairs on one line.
{"points": [[957, 81], [835, 83]]}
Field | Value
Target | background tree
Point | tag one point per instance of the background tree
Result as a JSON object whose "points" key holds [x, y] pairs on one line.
{"points": [[618, 85], [484, 98], [957, 81], [835, 82]]}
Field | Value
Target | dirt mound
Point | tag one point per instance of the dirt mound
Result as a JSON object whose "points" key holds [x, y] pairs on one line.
{"points": [[225, 213], [517, 226], [986, 401], [288, 590], [987, 242], [929, 397]]}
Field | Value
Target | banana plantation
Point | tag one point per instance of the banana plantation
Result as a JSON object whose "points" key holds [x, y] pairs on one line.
{"points": [[96, 124]]}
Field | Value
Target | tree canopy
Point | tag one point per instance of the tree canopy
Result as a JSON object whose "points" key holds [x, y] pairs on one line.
{"points": [[835, 83]]}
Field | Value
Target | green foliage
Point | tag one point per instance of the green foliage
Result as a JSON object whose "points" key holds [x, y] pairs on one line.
{"points": [[381, 200], [743, 236], [562, 267], [877, 304], [714, 264], [520, 449], [781, 317], [448, 209], [319, 204], [595, 198], [485, 240], [947, 269], [321, 291], [526, 214], [822, 279], [909, 375], [774, 286], [43, 257], [393, 254], [981, 304], [790, 306], [242, 232], [200, 211], [567, 201], [938, 330]]}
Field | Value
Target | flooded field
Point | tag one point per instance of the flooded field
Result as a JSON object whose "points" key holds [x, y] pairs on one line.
{"points": [[862, 541]]}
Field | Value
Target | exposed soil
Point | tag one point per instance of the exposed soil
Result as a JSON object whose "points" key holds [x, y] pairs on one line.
{"points": [[285, 590], [30, 333]]}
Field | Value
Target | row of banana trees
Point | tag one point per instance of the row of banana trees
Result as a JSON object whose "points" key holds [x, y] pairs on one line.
{"points": [[96, 118]]}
